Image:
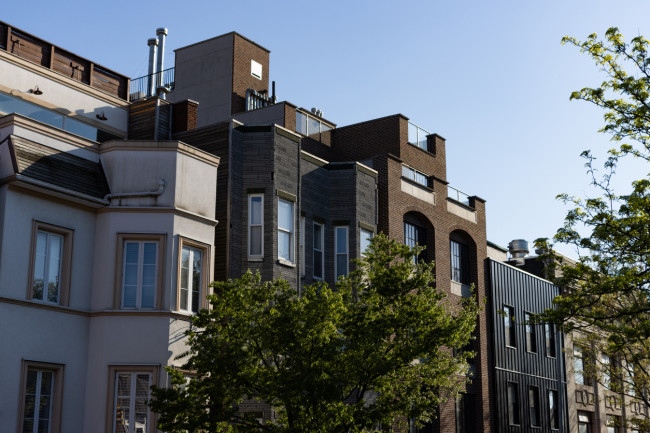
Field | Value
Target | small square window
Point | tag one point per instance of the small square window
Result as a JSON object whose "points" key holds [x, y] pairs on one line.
{"points": [[51, 257], [256, 69], [140, 261]]}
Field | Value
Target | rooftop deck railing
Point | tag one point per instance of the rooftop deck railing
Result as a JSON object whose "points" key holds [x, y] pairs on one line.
{"points": [[418, 136], [458, 195], [255, 100], [147, 85]]}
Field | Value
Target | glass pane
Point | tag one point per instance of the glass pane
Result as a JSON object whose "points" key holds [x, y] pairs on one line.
{"points": [[30, 406], [366, 237], [44, 409], [43, 426], [408, 173], [301, 123], [285, 215], [284, 245], [30, 387], [318, 264], [318, 237], [46, 383], [39, 265], [150, 253], [28, 426], [413, 135], [256, 210], [341, 240], [341, 265], [313, 126], [256, 241], [79, 128]]}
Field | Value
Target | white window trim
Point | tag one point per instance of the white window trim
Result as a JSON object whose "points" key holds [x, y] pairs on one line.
{"points": [[250, 211], [301, 245], [292, 232], [205, 274], [347, 250], [322, 252], [66, 262]]}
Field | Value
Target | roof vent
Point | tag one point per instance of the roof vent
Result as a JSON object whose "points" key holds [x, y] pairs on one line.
{"points": [[317, 112], [518, 250]]}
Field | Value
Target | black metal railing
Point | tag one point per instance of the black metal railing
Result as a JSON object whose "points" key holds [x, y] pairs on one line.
{"points": [[148, 85]]}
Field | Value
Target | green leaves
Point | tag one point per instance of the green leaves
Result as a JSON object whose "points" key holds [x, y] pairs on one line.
{"points": [[372, 351]]}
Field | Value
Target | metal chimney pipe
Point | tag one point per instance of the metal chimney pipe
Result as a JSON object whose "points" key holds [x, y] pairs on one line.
{"points": [[273, 91], [161, 32], [153, 43]]}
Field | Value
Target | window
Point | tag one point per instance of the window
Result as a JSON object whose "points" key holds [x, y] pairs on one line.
{"points": [[414, 235], [415, 176], [549, 333], [301, 246], [366, 236], [51, 261], [584, 422], [513, 404], [553, 420], [285, 230], [192, 281], [41, 396], [579, 364], [531, 340], [509, 326], [459, 262], [613, 424], [533, 406], [255, 225], [319, 233], [129, 394], [140, 260], [256, 70], [341, 243], [607, 368]]}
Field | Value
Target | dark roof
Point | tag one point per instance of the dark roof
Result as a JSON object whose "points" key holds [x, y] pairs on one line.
{"points": [[59, 168]]}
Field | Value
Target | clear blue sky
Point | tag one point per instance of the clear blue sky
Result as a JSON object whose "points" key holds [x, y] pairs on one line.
{"points": [[489, 76]]}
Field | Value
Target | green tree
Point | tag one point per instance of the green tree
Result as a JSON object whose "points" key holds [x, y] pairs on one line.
{"points": [[607, 296], [373, 351]]}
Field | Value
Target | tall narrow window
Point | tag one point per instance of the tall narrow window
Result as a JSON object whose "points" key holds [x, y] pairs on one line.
{"points": [[301, 245], [51, 256], [459, 262], [531, 340], [341, 245], [549, 332], [319, 235], [139, 275], [41, 395], [255, 225], [130, 409], [191, 279], [513, 404], [509, 326], [533, 406], [584, 422], [366, 237], [613, 424], [285, 230], [414, 235], [607, 368], [553, 414], [579, 366]]}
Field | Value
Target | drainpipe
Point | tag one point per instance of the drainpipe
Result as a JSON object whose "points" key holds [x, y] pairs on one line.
{"points": [[161, 33], [153, 43], [156, 193]]}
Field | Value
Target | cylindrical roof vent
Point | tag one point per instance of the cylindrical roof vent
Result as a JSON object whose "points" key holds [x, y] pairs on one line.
{"points": [[518, 248]]}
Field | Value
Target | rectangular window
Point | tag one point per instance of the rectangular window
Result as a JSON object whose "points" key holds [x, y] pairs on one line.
{"points": [[531, 340], [549, 333], [579, 366], [341, 245], [584, 422], [42, 392], [139, 286], [607, 377], [301, 246], [366, 237], [256, 69], [613, 424], [193, 278], [416, 176], [255, 225], [285, 230], [51, 261], [509, 326], [553, 414], [533, 406], [129, 394], [459, 262], [319, 236], [414, 235], [513, 404]]}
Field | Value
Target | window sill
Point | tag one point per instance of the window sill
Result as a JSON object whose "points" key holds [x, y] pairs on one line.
{"points": [[255, 259], [286, 262]]}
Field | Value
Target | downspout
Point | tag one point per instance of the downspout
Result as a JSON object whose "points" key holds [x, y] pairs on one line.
{"points": [[156, 193]]}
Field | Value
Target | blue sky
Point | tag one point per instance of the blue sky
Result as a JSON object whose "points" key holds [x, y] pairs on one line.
{"points": [[490, 76]]}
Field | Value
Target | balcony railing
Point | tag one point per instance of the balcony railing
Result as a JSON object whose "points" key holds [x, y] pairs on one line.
{"points": [[418, 136], [458, 195], [148, 85], [255, 100]]}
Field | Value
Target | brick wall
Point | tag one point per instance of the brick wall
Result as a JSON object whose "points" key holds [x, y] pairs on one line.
{"points": [[244, 51]]}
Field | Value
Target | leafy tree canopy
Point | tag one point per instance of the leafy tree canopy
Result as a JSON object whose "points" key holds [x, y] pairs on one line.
{"points": [[371, 352], [607, 297]]}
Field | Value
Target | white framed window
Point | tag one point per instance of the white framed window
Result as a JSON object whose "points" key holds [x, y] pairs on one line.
{"points": [[256, 69], [41, 394], [302, 246], [341, 262], [51, 258], [285, 230], [365, 238], [140, 261], [192, 276], [256, 225], [129, 394], [319, 249]]}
